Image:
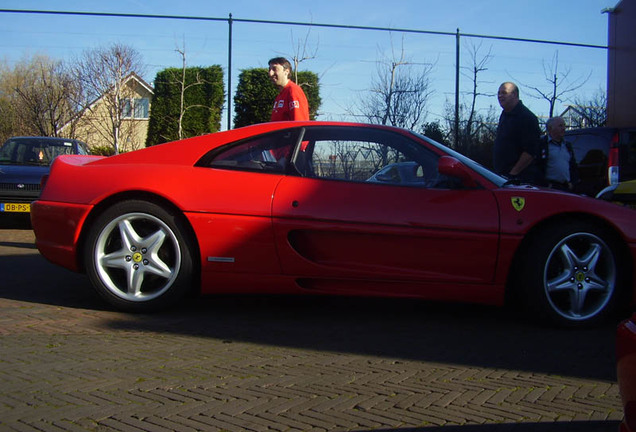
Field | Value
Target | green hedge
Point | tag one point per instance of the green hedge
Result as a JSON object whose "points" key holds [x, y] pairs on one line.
{"points": [[203, 102]]}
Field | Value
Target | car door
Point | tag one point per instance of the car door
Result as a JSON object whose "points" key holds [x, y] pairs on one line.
{"points": [[231, 202], [339, 223]]}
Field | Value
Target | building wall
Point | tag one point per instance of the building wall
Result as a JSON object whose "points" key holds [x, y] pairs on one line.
{"points": [[621, 85]]}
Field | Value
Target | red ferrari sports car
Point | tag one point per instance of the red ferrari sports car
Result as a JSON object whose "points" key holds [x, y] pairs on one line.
{"points": [[311, 207]]}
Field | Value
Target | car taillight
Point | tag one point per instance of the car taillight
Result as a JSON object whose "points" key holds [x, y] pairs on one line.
{"points": [[613, 161]]}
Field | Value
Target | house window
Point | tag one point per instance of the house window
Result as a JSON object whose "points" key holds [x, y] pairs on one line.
{"points": [[138, 108]]}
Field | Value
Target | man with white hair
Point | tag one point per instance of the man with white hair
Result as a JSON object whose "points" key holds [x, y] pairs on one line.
{"points": [[556, 157]]}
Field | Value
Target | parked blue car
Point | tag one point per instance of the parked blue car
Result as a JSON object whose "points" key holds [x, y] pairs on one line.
{"points": [[23, 163]]}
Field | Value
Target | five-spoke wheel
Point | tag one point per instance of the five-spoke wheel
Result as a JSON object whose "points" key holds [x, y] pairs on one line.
{"points": [[571, 274], [138, 256], [580, 276]]}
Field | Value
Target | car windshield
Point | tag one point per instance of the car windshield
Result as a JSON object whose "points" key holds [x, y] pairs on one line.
{"points": [[39, 152], [480, 169]]}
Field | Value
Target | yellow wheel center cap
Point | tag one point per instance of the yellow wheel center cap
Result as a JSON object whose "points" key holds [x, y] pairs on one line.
{"points": [[137, 257], [580, 276]]}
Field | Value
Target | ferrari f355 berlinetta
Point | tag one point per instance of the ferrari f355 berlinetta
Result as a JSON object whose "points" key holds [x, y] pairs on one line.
{"points": [[331, 208]]}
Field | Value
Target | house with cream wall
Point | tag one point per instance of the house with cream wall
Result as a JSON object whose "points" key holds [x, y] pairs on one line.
{"points": [[95, 127]]}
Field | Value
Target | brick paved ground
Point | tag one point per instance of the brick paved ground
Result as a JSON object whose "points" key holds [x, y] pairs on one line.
{"points": [[285, 364]]}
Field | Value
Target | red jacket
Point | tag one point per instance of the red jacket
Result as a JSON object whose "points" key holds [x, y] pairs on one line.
{"points": [[290, 104]]}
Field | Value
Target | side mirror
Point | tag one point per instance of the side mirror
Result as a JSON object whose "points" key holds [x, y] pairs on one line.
{"points": [[449, 166]]}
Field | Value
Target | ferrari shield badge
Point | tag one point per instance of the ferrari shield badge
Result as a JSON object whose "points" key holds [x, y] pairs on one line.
{"points": [[518, 203]]}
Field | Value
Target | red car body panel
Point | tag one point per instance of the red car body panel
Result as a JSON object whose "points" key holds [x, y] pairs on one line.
{"points": [[62, 223], [329, 225], [264, 232], [626, 371]]}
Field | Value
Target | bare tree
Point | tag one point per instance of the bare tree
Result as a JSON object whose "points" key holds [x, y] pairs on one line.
{"points": [[302, 52], [37, 97], [103, 73], [10, 120], [590, 112], [477, 128], [399, 94], [478, 65], [46, 91], [13, 115], [184, 86], [559, 82], [477, 145]]}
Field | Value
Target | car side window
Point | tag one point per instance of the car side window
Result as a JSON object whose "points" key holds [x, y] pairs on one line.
{"points": [[267, 153], [82, 148], [372, 155]]}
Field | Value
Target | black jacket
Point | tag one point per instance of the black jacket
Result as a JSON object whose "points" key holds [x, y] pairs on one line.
{"points": [[517, 132]]}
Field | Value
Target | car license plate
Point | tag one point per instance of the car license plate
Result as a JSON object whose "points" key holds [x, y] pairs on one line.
{"points": [[15, 207]]}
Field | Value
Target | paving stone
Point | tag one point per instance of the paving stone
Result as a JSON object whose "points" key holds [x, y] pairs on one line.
{"points": [[284, 364]]}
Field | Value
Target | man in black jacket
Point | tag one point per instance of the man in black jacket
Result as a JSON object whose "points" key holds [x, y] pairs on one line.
{"points": [[556, 157], [517, 139]]}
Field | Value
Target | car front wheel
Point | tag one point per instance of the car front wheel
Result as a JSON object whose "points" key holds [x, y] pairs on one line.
{"points": [[571, 274], [138, 256]]}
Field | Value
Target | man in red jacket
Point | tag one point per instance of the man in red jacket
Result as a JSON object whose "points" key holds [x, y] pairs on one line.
{"points": [[291, 102]]}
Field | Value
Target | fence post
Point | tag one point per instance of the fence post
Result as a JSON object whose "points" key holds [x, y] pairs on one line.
{"points": [[229, 75], [457, 90]]}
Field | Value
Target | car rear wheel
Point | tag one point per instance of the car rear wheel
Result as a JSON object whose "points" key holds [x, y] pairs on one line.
{"points": [[138, 256], [571, 274]]}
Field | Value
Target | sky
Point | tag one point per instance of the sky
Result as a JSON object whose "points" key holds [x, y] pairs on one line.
{"points": [[345, 60]]}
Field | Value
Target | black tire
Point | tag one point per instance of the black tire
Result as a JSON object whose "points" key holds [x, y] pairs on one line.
{"points": [[570, 275], [139, 256]]}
